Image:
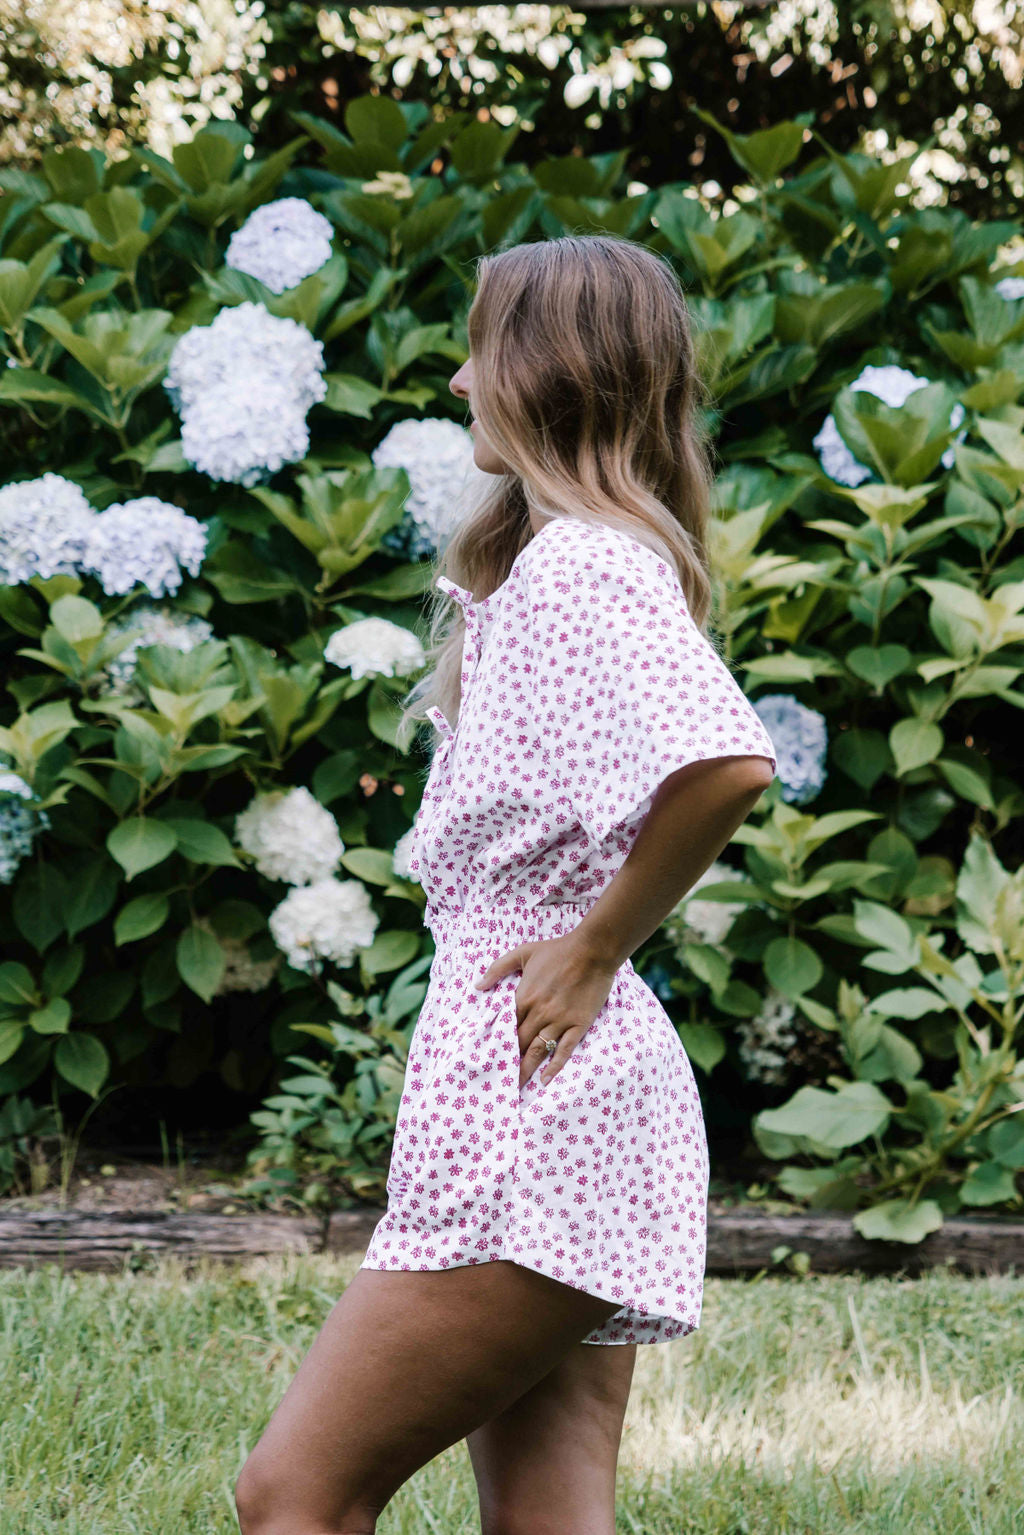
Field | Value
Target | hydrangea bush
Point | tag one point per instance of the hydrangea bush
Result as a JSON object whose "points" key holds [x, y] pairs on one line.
{"points": [[231, 454]]}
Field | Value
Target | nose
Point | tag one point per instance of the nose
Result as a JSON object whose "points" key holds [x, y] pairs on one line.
{"points": [[460, 382]]}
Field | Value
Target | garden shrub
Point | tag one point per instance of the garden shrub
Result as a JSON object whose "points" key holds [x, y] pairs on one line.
{"points": [[229, 460]]}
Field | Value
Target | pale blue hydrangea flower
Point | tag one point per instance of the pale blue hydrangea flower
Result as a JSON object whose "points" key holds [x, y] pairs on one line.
{"points": [[1010, 288], [375, 647], [329, 920], [893, 385], [800, 740], [245, 431], [243, 386], [144, 540], [20, 821], [44, 526], [150, 626], [281, 243], [437, 455]]}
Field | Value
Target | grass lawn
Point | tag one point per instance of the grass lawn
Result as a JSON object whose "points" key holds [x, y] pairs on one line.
{"points": [[800, 1407]]}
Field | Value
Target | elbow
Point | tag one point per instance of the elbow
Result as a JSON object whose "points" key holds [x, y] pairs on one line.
{"points": [[751, 776]]}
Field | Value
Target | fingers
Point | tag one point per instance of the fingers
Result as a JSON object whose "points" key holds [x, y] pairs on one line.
{"points": [[503, 965], [566, 1045], [536, 1052]]}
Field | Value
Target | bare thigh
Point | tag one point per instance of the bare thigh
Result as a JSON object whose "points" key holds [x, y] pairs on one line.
{"points": [[406, 1364], [546, 1465]]}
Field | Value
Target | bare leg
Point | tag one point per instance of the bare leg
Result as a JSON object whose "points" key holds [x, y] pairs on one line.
{"points": [[546, 1465], [406, 1364]]}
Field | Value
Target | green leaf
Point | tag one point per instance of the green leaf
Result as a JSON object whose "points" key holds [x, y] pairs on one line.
{"points": [[966, 782], [12, 1032], [82, 1061], [792, 966], [140, 843], [145, 915], [201, 961], [895, 1058], [378, 119], [350, 395], [989, 1184], [914, 742], [76, 620], [703, 1043], [54, 1018], [1006, 1140], [862, 755], [372, 865], [63, 969], [37, 903], [878, 664], [897, 1220], [202, 842], [390, 951], [91, 889], [837, 1120], [30, 386], [17, 985], [987, 915]]}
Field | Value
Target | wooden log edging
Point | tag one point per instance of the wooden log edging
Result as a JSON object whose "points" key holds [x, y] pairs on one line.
{"points": [[739, 1241]]}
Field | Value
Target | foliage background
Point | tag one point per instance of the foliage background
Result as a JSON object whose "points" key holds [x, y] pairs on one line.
{"points": [[892, 609]]}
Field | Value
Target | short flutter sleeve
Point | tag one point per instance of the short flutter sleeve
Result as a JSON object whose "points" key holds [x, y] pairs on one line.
{"points": [[623, 686]]}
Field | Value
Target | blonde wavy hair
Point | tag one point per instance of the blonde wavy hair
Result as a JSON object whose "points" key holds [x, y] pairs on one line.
{"points": [[584, 380]]}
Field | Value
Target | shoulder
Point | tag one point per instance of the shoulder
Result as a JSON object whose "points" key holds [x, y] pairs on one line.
{"points": [[575, 561]]}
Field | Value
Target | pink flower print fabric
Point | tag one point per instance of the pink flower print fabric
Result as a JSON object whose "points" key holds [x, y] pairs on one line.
{"points": [[585, 683]]}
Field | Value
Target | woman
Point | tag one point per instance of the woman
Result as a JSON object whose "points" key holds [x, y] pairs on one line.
{"points": [[548, 1182]]}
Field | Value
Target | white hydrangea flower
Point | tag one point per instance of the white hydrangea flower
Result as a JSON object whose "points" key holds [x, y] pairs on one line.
{"points": [[281, 243], [244, 340], [20, 821], [144, 540], [330, 920], [375, 647], [800, 740], [1010, 288], [150, 626], [437, 455], [244, 431], [290, 836], [707, 921], [893, 385], [403, 853], [44, 526], [243, 386], [766, 1039]]}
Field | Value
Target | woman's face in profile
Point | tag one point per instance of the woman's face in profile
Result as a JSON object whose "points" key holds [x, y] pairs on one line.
{"points": [[484, 455]]}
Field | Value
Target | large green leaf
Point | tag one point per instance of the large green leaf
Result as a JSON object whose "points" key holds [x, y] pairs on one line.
{"points": [[201, 842], [83, 1061], [990, 1183], [140, 843], [897, 1220], [838, 1119], [201, 961], [145, 915]]}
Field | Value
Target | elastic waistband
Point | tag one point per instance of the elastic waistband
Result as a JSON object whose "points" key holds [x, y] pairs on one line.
{"points": [[483, 928]]}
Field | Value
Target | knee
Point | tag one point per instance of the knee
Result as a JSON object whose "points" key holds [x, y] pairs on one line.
{"points": [[254, 1500], [264, 1507]]}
